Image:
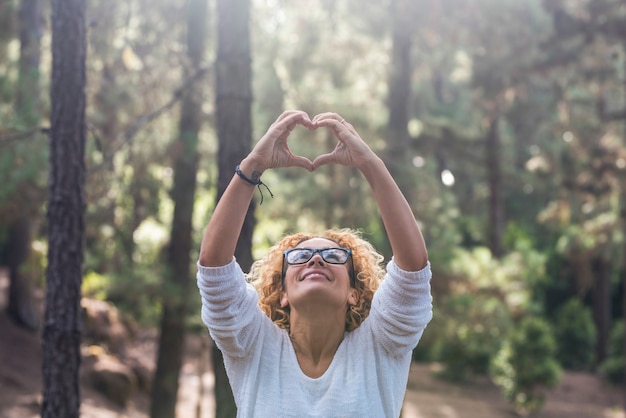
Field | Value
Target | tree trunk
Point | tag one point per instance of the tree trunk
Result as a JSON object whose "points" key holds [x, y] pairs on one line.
{"points": [[601, 305], [172, 336], [66, 212], [27, 98], [623, 212], [234, 130], [398, 155], [623, 269], [494, 179], [398, 140], [21, 307]]}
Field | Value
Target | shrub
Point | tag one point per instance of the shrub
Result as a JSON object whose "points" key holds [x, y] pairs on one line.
{"points": [[471, 329], [526, 366], [575, 334]]}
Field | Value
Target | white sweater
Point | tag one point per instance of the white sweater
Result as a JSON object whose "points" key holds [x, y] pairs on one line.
{"points": [[368, 374]]}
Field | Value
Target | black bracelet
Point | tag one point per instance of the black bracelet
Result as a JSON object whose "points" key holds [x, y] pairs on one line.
{"points": [[255, 181]]}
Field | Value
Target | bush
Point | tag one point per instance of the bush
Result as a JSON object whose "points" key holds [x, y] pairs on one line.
{"points": [[575, 334], [471, 329], [526, 366]]}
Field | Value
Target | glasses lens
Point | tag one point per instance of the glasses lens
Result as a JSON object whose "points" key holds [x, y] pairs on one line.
{"points": [[329, 255], [299, 255], [334, 255]]}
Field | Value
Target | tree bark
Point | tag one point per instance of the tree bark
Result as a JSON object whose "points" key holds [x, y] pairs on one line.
{"points": [[172, 336], [21, 307], [398, 139], [622, 181], [601, 305], [234, 130], [27, 98], [66, 212], [494, 179]]}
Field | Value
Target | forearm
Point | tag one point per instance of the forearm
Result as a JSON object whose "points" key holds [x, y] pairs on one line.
{"points": [[405, 237], [272, 151], [222, 232]]}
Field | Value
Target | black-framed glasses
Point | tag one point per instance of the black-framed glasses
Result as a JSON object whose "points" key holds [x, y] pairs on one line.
{"points": [[335, 255], [330, 255]]}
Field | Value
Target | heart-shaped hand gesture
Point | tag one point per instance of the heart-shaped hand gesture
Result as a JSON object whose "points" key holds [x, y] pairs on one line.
{"points": [[350, 151], [272, 150]]}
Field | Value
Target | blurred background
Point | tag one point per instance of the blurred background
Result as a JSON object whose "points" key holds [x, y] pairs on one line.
{"points": [[503, 121]]}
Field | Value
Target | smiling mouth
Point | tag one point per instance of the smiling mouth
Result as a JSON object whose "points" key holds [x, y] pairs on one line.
{"points": [[314, 275]]}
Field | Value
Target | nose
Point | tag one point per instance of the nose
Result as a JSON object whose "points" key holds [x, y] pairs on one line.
{"points": [[316, 260]]}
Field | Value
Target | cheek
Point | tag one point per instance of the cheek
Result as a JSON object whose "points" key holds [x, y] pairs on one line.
{"points": [[289, 276], [345, 272]]}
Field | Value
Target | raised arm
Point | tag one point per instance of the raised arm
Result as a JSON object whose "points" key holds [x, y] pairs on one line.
{"points": [[272, 151], [405, 237]]}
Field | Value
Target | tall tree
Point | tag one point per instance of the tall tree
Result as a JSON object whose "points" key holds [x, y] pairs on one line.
{"points": [[398, 138], [66, 211], [494, 179], [233, 87], [172, 336], [21, 307]]}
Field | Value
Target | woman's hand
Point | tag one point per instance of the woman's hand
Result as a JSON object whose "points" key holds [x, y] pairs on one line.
{"points": [[351, 150], [272, 150]]}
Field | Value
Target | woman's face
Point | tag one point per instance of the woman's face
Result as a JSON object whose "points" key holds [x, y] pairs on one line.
{"points": [[316, 282]]}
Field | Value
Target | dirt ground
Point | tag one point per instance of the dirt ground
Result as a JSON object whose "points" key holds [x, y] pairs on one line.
{"points": [[579, 395]]}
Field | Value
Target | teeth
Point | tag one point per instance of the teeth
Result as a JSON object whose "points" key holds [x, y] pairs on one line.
{"points": [[313, 274]]}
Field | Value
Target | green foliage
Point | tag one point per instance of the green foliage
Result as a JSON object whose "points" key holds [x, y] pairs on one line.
{"points": [[575, 333], [613, 367], [469, 330], [95, 286], [526, 366], [510, 278], [136, 291], [475, 314]]}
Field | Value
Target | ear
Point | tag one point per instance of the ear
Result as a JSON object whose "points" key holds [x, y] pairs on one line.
{"points": [[353, 297], [284, 301]]}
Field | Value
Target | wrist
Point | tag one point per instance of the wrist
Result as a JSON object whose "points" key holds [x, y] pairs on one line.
{"points": [[253, 179], [251, 168], [373, 164]]}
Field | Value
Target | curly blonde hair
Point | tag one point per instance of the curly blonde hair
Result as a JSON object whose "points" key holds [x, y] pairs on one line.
{"points": [[266, 275]]}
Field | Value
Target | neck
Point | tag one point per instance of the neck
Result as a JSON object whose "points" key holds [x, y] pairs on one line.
{"points": [[315, 339]]}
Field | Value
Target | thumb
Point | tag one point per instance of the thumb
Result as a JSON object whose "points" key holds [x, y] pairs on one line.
{"points": [[299, 161], [323, 160]]}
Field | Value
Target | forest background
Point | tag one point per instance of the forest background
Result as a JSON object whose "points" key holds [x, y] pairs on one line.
{"points": [[503, 121]]}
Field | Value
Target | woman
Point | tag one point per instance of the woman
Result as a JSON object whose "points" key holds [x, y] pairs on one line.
{"points": [[314, 339]]}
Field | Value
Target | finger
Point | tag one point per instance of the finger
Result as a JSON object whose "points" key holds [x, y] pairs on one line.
{"points": [[285, 126], [289, 121], [323, 160], [336, 125], [288, 113], [299, 161], [326, 116]]}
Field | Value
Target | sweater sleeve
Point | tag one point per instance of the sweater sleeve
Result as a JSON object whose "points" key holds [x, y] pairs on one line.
{"points": [[229, 307], [401, 308]]}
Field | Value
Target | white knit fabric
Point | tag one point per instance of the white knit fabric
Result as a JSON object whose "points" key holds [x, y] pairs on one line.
{"points": [[368, 374]]}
